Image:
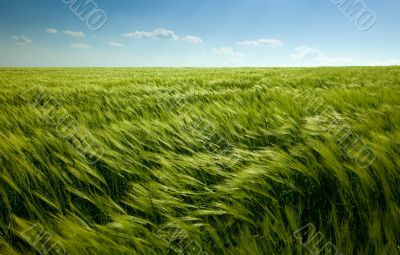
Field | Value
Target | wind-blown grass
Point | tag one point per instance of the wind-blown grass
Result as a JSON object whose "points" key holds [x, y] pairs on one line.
{"points": [[233, 158]]}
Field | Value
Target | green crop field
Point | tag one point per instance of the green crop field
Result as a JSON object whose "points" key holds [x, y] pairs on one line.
{"points": [[200, 161]]}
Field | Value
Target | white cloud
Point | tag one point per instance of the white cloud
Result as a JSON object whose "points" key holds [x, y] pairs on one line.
{"points": [[262, 42], [80, 46], [74, 34], [315, 56], [339, 61], [51, 31], [193, 39], [21, 40], [304, 51], [228, 51], [390, 62], [158, 33], [117, 44]]}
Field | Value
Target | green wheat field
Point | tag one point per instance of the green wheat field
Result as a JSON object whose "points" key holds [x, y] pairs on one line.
{"points": [[200, 161]]}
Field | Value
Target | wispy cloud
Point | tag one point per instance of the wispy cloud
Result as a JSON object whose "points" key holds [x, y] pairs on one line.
{"points": [[193, 39], [315, 56], [80, 46], [73, 33], [304, 51], [262, 42], [21, 40], [229, 51], [117, 44], [389, 62], [158, 33], [336, 61], [51, 31]]}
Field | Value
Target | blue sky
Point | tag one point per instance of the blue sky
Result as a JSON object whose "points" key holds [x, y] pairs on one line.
{"points": [[200, 33]]}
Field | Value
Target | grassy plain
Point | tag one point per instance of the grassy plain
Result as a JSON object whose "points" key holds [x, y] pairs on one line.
{"points": [[200, 161]]}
